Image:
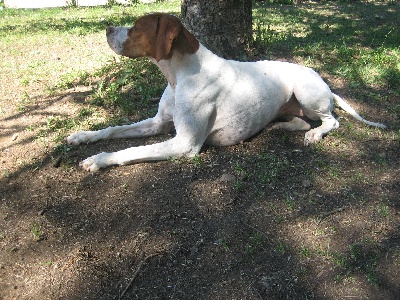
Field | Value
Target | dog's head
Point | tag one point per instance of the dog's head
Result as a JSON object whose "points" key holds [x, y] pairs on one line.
{"points": [[155, 35]]}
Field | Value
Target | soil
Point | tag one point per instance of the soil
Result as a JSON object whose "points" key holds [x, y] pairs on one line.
{"points": [[210, 228]]}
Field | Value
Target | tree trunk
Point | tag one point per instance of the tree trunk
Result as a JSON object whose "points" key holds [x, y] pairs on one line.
{"points": [[223, 26]]}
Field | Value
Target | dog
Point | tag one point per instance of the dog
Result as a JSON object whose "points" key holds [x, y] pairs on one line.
{"points": [[210, 100]]}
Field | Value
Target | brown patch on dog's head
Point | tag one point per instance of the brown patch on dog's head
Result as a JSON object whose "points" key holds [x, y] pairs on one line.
{"points": [[158, 36]]}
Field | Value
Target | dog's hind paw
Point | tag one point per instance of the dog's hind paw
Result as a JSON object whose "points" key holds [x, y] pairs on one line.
{"points": [[311, 137]]}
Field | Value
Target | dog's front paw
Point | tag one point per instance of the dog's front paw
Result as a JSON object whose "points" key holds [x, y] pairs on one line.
{"points": [[82, 137], [96, 162]]}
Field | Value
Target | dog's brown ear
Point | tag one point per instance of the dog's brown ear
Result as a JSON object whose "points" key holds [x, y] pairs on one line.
{"points": [[168, 29], [171, 36]]}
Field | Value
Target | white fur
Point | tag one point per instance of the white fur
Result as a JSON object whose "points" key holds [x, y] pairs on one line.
{"points": [[117, 38], [219, 102]]}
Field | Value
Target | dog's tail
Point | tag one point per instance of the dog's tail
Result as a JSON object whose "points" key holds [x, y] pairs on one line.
{"points": [[344, 105]]}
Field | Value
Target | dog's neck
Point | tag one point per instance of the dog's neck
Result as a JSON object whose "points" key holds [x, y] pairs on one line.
{"points": [[181, 66], [168, 70]]}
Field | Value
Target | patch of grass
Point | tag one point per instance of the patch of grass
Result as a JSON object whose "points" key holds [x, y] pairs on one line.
{"points": [[304, 251], [291, 204], [197, 160], [384, 210], [5, 173], [379, 158], [70, 79], [333, 170], [86, 112], [281, 247], [339, 259], [36, 230], [254, 243], [396, 257], [364, 259], [223, 243], [56, 128], [270, 166], [62, 148], [238, 185], [361, 258], [77, 21], [340, 47], [25, 102], [55, 123], [264, 36], [132, 88], [239, 169]]}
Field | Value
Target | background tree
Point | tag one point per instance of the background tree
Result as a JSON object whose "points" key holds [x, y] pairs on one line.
{"points": [[223, 26]]}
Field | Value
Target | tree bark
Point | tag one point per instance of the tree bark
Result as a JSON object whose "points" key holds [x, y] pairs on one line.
{"points": [[223, 26]]}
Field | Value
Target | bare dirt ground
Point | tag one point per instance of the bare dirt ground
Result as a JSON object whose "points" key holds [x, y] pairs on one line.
{"points": [[266, 219]]}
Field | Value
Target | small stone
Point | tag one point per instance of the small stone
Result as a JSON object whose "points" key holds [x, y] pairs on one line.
{"points": [[257, 269], [306, 183], [14, 137], [242, 175], [320, 273], [227, 178], [68, 98], [194, 250]]}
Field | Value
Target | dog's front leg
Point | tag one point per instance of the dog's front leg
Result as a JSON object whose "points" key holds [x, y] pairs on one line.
{"points": [[172, 148], [159, 124], [192, 128], [148, 127]]}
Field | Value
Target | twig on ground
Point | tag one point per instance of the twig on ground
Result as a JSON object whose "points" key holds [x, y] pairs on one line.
{"points": [[327, 214], [143, 259], [377, 140]]}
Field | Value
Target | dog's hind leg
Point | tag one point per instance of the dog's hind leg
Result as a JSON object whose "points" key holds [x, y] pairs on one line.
{"points": [[315, 135], [293, 123], [290, 113], [316, 100]]}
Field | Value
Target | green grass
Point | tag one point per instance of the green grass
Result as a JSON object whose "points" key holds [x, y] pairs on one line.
{"points": [[253, 244], [73, 20], [359, 259], [36, 230], [281, 247], [269, 166], [340, 46], [139, 80]]}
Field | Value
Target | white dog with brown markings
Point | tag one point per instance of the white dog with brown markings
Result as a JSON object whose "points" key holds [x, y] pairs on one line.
{"points": [[209, 99]]}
